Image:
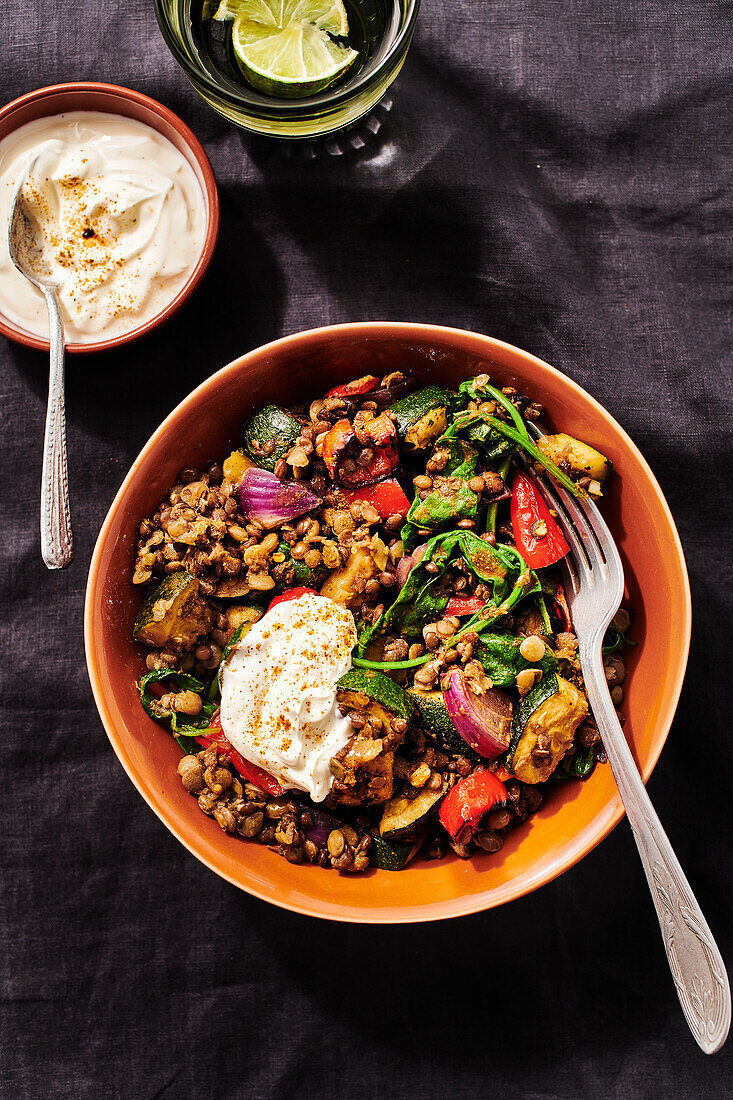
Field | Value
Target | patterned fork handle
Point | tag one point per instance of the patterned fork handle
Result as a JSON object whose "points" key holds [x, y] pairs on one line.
{"points": [[694, 959], [57, 545]]}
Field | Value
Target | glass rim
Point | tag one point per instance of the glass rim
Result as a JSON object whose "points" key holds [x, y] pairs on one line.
{"points": [[284, 108]]}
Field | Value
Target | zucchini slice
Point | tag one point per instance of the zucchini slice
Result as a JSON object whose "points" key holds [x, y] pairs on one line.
{"points": [[402, 816], [174, 611], [233, 588], [572, 454], [363, 686], [422, 416], [547, 687], [439, 724], [554, 708], [392, 856], [269, 435]]}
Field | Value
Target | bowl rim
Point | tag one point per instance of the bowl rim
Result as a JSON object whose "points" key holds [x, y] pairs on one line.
{"points": [[210, 195], [461, 905]]}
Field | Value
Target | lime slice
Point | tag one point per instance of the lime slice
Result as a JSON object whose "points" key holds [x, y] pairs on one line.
{"points": [[285, 47]]}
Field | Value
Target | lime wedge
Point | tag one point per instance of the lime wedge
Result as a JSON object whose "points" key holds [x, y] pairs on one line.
{"points": [[285, 47]]}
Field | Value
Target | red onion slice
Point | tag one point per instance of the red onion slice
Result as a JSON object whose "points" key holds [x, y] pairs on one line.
{"points": [[406, 565], [323, 825], [483, 721], [385, 395], [271, 501]]}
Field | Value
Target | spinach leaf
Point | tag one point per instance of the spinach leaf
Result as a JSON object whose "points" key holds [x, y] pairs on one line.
{"points": [[521, 438], [583, 762], [526, 584], [492, 444], [500, 656], [493, 510], [491, 564], [494, 565], [410, 537], [428, 606], [485, 392], [462, 461], [544, 613], [614, 640], [450, 500], [578, 766], [151, 705], [469, 391], [183, 732], [226, 653]]}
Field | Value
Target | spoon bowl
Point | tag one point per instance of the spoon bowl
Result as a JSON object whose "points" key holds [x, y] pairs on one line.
{"points": [[26, 251]]}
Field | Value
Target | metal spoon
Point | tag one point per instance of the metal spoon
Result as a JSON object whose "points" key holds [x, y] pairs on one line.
{"points": [[57, 544]]}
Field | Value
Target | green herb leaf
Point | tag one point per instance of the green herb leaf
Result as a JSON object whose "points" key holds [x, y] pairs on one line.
{"points": [[493, 510], [186, 730], [500, 656], [614, 640], [583, 762], [226, 653], [480, 556], [521, 438], [450, 500]]}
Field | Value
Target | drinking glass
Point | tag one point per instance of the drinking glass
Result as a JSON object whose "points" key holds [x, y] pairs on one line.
{"points": [[381, 30]]}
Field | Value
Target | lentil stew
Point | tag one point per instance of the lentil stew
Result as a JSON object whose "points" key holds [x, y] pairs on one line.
{"points": [[416, 512]]}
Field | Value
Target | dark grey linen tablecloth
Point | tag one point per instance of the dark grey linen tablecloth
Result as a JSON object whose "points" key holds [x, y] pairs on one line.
{"points": [[554, 174]]}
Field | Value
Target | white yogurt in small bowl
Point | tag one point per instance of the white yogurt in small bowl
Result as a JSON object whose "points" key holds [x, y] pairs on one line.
{"points": [[124, 219]]}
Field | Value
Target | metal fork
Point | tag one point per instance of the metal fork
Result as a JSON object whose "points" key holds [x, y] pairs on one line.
{"points": [[594, 593]]}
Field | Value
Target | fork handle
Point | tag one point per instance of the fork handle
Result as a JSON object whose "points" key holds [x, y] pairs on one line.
{"points": [[694, 959], [57, 545]]}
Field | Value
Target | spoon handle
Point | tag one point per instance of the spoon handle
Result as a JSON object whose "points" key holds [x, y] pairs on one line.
{"points": [[57, 544]]}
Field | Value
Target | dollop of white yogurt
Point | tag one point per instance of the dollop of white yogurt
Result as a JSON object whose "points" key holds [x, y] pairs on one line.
{"points": [[278, 695], [120, 214]]}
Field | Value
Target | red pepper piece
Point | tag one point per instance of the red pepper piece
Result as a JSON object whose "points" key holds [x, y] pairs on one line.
{"points": [[380, 467], [467, 802], [537, 535], [383, 436], [381, 431], [291, 594], [250, 772], [464, 605], [341, 442], [502, 774], [338, 439], [386, 497], [355, 388]]}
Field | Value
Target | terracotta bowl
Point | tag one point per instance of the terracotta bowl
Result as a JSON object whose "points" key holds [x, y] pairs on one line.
{"points": [[575, 816], [112, 99]]}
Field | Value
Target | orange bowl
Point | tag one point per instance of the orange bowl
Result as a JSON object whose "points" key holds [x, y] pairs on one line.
{"points": [[87, 95], [575, 816]]}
